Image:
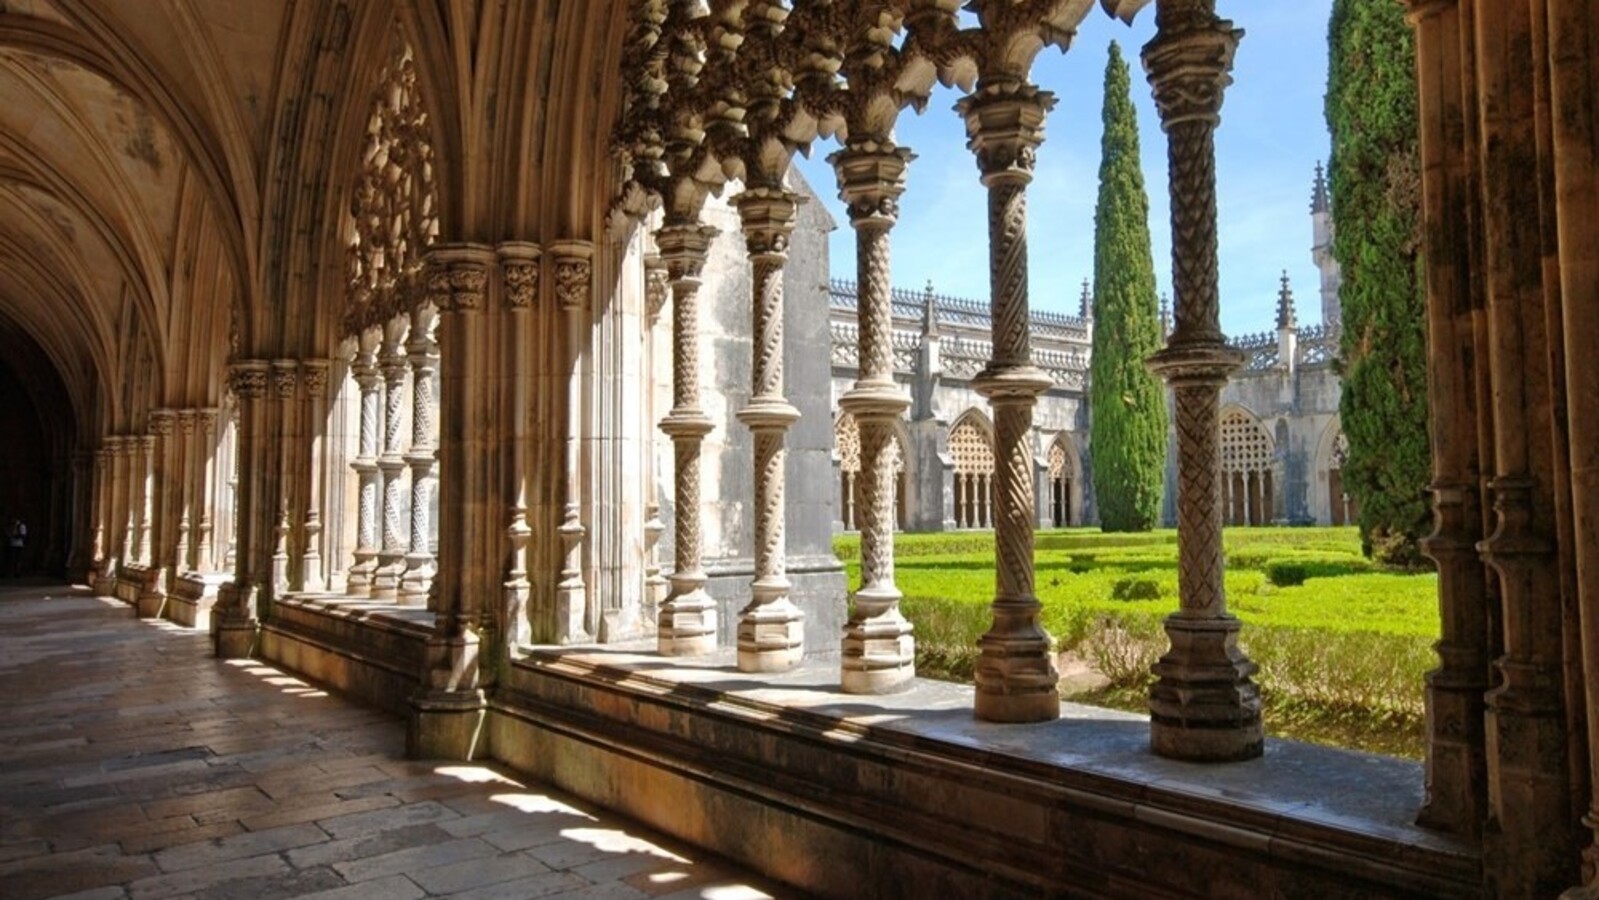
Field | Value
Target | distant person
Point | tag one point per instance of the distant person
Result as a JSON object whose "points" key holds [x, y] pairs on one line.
{"points": [[16, 542]]}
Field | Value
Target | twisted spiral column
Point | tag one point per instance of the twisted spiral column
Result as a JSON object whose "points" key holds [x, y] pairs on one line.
{"points": [[1203, 705], [878, 650], [686, 624], [1016, 674], [369, 480], [424, 358], [770, 628], [391, 464]]}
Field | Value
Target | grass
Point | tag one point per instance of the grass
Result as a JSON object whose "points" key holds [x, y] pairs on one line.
{"points": [[1342, 643]]}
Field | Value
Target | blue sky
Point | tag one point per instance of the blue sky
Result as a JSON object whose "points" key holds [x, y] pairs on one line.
{"points": [[1272, 133]]}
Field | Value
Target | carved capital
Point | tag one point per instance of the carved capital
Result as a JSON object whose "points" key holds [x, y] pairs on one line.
{"points": [[519, 272], [160, 422], [248, 379], [655, 287], [684, 247], [468, 281], [573, 275], [768, 216], [285, 377], [1004, 127], [188, 421], [871, 178], [316, 377], [1190, 62]]}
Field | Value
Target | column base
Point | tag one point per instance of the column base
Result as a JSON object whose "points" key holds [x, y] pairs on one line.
{"points": [[386, 581], [413, 587], [447, 725], [771, 634], [1016, 678], [151, 605], [571, 601], [686, 625], [235, 640], [1203, 706], [879, 655]]}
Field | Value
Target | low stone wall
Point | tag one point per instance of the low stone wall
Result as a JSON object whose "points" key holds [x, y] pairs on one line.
{"points": [[193, 595], [907, 795], [372, 652]]}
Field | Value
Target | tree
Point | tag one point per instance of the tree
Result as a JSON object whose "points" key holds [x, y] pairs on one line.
{"points": [[1376, 199], [1127, 402]]}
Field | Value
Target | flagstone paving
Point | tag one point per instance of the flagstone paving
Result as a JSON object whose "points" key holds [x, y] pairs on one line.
{"points": [[134, 765]]}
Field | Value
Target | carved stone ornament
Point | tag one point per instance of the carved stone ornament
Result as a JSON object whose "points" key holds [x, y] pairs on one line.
{"points": [[316, 378], [468, 280], [284, 379], [248, 382], [655, 287], [572, 278], [160, 422], [521, 283], [1189, 66], [188, 421]]}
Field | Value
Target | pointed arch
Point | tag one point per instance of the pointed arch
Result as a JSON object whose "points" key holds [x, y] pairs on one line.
{"points": [[971, 450]]}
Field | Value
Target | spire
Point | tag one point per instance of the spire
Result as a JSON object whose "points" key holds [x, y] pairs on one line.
{"points": [[1085, 304], [1318, 193], [1285, 306], [929, 311], [1165, 316]]}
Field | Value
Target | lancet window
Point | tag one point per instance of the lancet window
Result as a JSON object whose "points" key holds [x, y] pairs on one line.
{"points": [[972, 452], [392, 351], [1060, 484], [1246, 464]]}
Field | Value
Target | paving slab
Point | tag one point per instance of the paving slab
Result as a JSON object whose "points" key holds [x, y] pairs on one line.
{"points": [[136, 765]]}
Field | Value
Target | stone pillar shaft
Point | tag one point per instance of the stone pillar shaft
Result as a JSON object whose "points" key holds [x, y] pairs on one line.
{"points": [[369, 480], [686, 624], [574, 275], [209, 495], [770, 628], [1456, 766], [315, 376], [234, 615], [424, 358], [1016, 677], [519, 272], [391, 463], [1529, 789], [878, 650], [1203, 705]]}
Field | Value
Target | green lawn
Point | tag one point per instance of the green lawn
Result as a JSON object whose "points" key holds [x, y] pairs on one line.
{"points": [[1342, 644]]}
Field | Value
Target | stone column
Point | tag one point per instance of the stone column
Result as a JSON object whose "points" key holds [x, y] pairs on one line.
{"points": [[370, 486], [187, 455], [447, 714], [104, 460], [285, 386], [878, 650], [1015, 674], [519, 272], [1203, 706], [1529, 789], [234, 616], [656, 587], [314, 372], [686, 624], [573, 279], [209, 494], [771, 634], [144, 492], [1456, 791], [391, 464], [162, 425], [424, 358], [1575, 97]]}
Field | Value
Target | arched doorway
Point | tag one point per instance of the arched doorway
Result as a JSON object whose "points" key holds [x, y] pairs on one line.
{"points": [[971, 449]]}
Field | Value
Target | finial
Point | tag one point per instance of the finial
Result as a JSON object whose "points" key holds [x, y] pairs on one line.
{"points": [[1165, 315], [929, 311], [1085, 304], [1285, 305], [1318, 194]]}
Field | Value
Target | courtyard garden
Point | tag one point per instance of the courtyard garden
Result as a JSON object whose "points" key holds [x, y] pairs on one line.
{"points": [[1342, 643]]}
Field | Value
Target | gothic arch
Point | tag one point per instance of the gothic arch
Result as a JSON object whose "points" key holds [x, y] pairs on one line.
{"points": [[1064, 500], [847, 454], [1332, 502], [1248, 461], [971, 451]]}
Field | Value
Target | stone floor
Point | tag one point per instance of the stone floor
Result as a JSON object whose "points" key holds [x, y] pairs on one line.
{"points": [[133, 765]]}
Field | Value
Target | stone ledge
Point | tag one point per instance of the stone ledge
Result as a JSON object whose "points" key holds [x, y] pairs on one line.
{"points": [[369, 650], [909, 791]]}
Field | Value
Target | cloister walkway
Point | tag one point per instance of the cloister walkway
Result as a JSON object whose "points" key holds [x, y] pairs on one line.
{"points": [[133, 764]]}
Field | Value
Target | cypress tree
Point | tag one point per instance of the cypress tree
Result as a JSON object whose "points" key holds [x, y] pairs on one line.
{"points": [[1376, 198], [1128, 404]]}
